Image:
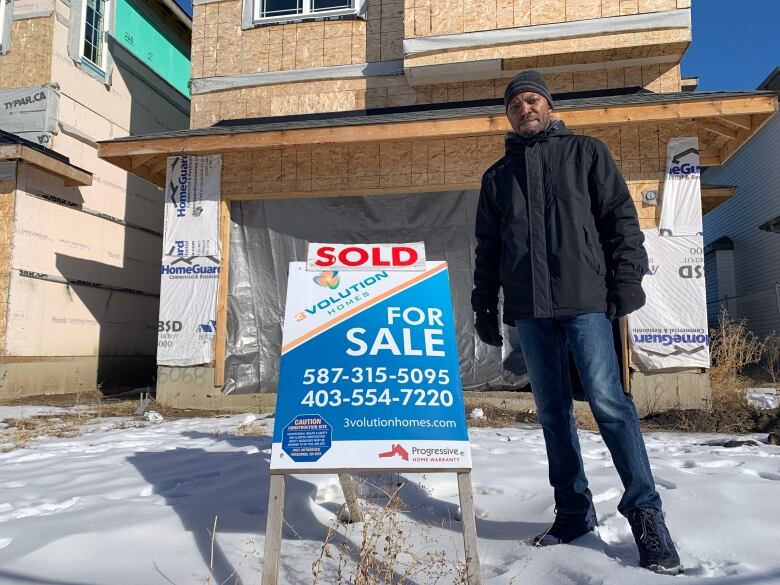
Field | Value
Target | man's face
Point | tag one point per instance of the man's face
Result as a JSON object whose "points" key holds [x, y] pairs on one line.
{"points": [[528, 113]]}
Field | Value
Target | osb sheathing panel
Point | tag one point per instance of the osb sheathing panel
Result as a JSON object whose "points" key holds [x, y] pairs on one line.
{"points": [[673, 51], [436, 17], [638, 149], [51, 319], [389, 91], [7, 196], [29, 60], [220, 47], [580, 49], [59, 241]]}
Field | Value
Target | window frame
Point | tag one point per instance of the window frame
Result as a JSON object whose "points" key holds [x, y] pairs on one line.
{"points": [[306, 13], [100, 68], [5, 27]]}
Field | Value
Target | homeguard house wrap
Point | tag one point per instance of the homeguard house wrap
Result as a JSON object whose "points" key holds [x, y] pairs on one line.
{"points": [[367, 121], [80, 245]]}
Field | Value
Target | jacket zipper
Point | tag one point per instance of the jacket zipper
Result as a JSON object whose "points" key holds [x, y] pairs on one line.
{"points": [[545, 173]]}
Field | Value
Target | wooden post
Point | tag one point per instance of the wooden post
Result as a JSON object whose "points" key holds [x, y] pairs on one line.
{"points": [[473, 574], [354, 513], [220, 340], [273, 531], [624, 355]]}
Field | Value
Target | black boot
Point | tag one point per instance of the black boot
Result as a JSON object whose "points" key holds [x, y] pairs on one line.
{"points": [[656, 549], [567, 527]]}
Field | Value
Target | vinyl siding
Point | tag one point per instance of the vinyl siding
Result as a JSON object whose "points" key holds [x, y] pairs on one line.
{"points": [[711, 282], [755, 172]]}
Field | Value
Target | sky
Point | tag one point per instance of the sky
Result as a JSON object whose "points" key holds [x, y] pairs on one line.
{"points": [[185, 5], [735, 44]]}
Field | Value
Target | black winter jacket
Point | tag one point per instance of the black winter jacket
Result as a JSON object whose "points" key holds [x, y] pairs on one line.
{"points": [[556, 227]]}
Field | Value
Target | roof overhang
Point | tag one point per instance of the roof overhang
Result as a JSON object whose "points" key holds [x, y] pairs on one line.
{"points": [[180, 15], [724, 121], [71, 175], [714, 195]]}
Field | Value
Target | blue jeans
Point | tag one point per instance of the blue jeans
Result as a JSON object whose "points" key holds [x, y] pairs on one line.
{"points": [[545, 344]]}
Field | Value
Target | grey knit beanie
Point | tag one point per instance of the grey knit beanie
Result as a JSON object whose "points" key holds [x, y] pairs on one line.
{"points": [[529, 80]]}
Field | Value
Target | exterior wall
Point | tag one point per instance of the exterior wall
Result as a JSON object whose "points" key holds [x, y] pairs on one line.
{"points": [[221, 48], [389, 91], [70, 250], [431, 17], [27, 377], [754, 170], [721, 285], [639, 150], [568, 51], [53, 241], [29, 60], [7, 197], [158, 41], [658, 391]]}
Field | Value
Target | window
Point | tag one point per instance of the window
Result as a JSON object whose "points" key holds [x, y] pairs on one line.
{"points": [[94, 32], [281, 10]]}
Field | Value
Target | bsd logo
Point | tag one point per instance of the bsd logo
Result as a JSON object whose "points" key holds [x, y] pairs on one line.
{"points": [[168, 326], [691, 271]]}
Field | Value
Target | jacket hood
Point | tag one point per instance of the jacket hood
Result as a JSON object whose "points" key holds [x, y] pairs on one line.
{"points": [[513, 142]]}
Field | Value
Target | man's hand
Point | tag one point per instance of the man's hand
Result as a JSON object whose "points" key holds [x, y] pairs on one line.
{"points": [[624, 298], [488, 327]]}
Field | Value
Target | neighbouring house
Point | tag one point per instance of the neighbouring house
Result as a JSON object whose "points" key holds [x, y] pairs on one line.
{"points": [[373, 120], [80, 247], [742, 236]]}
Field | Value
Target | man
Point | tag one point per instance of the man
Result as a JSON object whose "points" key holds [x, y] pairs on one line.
{"points": [[557, 230]]}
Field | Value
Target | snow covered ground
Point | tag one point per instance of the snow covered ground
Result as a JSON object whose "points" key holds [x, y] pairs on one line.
{"points": [[123, 505]]}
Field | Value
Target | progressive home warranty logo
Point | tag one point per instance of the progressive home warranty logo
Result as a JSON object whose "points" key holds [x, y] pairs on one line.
{"points": [[347, 298], [397, 450]]}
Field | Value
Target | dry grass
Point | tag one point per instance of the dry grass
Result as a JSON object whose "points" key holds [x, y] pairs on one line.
{"points": [[90, 408], [497, 416], [386, 555], [771, 362], [20, 431], [733, 348]]}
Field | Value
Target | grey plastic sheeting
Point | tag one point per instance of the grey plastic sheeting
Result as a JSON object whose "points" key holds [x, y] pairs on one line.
{"points": [[267, 235]]}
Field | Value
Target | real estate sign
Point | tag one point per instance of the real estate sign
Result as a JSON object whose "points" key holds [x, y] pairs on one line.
{"points": [[369, 375]]}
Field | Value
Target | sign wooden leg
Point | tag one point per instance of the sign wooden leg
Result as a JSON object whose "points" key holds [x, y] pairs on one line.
{"points": [[474, 576], [273, 531], [355, 514]]}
